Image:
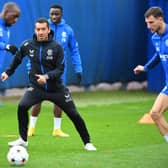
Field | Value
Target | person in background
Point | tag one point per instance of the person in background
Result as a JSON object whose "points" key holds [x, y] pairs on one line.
{"points": [[8, 17], [45, 82], [63, 34], [154, 19]]}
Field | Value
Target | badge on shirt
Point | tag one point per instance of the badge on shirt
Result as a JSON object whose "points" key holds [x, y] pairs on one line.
{"points": [[1, 32], [166, 42], [64, 36]]}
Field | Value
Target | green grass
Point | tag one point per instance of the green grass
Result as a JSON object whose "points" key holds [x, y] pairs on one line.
{"points": [[112, 119]]}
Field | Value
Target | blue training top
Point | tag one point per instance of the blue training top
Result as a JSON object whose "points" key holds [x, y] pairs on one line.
{"points": [[160, 42], [4, 40]]}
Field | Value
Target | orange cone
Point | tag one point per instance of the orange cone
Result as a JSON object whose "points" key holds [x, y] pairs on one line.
{"points": [[146, 119]]}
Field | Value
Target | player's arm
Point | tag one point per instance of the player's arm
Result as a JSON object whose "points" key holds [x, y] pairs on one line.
{"points": [[149, 65], [75, 55], [152, 62], [138, 69], [10, 70], [41, 79], [16, 61], [5, 46], [4, 76]]}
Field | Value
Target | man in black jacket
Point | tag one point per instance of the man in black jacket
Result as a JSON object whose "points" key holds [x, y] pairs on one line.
{"points": [[47, 62]]}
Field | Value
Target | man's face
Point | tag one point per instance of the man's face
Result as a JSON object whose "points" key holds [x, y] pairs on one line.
{"points": [[154, 24], [10, 18], [41, 31], [55, 15]]}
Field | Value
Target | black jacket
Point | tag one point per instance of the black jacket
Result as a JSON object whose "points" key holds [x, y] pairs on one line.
{"points": [[45, 58]]}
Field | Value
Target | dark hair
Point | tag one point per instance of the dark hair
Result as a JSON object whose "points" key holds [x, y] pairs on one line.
{"points": [[43, 20], [12, 7], [154, 11], [57, 6]]}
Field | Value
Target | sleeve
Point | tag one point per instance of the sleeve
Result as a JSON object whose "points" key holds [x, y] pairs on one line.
{"points": [[2, 43], [74, 50], [152, 62], [28, 65], [16, 61], [58, 71]]}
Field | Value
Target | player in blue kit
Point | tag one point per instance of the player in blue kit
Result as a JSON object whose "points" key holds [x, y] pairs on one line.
{"points": [[155, 22], [8, 17]]}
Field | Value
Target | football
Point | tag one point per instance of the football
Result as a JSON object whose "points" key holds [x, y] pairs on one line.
{"points": [[17, 155]]}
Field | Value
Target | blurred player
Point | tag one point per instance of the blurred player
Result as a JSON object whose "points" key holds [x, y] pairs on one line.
{"points": [[8, 17], [63, 34], [45, 82], [155, 22]]}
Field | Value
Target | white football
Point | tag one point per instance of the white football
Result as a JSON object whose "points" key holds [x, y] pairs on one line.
{"points": [[17, 155]]}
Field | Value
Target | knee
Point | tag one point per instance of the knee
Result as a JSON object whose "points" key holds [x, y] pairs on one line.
{"points": [[22, 106], [155, 115]]}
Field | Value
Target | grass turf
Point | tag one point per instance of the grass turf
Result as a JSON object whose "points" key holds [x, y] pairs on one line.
{"points": [[112, 119]]}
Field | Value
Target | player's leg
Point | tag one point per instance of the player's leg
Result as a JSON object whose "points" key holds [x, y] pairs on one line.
{"points": [[157, 111], [58, 115], [33, 118], [80, 125], [28, 99], [57, 122], [65, 102]]}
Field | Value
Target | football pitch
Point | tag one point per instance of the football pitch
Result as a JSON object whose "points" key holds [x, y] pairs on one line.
{"points": [[112, 120]]}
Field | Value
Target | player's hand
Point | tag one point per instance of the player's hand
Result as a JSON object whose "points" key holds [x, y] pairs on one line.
{"points": [[11, 48], [79, 77], [4, 76], [138, 69], [41, 79]]}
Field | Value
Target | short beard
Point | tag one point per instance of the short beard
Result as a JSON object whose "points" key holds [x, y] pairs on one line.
{"points": [[158, 29]]}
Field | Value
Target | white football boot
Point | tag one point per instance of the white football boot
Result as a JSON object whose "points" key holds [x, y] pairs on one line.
{"points": [[18, 142], [90, 147]]}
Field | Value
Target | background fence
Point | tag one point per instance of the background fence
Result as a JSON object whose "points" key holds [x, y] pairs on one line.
{"points": [[112, 37]]}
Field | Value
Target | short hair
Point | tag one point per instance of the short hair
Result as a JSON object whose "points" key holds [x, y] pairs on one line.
{"points": [[11, 7], [154, 11], [43, 20], [57, 6]]}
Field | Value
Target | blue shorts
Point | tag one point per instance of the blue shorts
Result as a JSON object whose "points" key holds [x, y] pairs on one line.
{"points": [[165, 90]]}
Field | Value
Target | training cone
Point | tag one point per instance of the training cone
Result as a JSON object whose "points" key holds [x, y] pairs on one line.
{"points": [[146, 119]]}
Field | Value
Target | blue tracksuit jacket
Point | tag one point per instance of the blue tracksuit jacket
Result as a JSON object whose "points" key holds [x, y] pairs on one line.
{"points": [[160, 43], [4, 39]]}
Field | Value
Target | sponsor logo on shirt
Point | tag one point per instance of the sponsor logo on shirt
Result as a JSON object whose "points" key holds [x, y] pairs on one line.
{"points": [[64, 36], [164, 57], [31, 53], [49, 54], [67, 97]]}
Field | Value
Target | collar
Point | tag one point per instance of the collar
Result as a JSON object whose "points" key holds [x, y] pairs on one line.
{"points": [[165, 31], [2, 22]]}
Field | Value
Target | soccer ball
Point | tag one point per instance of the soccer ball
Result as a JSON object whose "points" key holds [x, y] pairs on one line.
{"points": [[17, 155]]}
